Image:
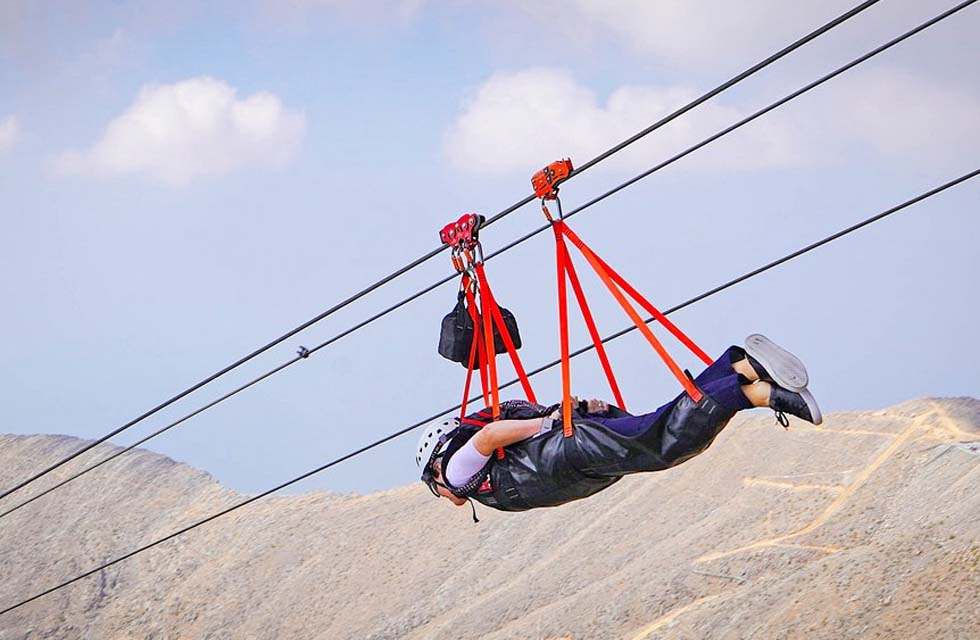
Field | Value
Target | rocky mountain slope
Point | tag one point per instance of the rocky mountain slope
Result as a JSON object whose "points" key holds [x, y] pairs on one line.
{"points": [[866, 527]]}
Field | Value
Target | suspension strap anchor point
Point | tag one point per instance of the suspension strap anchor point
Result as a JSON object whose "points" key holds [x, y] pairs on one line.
{"points": [[547, 213]]}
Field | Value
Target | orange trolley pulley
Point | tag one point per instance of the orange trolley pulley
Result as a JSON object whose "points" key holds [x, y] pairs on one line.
{"points": [[546, 181]]}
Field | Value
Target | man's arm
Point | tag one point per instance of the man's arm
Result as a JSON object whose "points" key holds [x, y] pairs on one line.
{"points": [[505, 432]]}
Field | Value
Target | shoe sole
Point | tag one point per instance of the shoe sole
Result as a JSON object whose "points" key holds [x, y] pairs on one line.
{"points": [[811, 404], [786, 369]]}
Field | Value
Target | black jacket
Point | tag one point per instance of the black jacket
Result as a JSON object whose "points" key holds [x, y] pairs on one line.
{"points": [[550, 470]]}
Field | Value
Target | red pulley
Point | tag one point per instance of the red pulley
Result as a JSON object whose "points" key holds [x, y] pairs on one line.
{"points": [[464, 233]]}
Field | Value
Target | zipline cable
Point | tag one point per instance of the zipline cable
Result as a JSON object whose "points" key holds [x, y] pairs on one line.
{"points": [[717, 90], [520, 240], [388, 438], [746, 120], [130, 447], [431, 254]]}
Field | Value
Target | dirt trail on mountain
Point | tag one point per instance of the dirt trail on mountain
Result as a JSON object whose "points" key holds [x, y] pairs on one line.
{"points": [[865, 527]]}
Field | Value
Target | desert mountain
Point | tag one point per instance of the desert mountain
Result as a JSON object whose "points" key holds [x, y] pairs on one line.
{"points": [[865, 527]]}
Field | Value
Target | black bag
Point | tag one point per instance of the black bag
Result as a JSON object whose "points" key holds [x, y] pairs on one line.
{"points": [[456, 336]]}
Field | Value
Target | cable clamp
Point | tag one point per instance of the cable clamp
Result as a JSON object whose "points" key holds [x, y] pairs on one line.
{"points": [[303, 352]]}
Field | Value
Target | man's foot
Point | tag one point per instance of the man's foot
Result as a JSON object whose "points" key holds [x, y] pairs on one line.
{"points": [[800, 404], [775, 364]]}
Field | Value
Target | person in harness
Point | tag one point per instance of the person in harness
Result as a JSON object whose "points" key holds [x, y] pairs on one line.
{"points": [[542, 468]]}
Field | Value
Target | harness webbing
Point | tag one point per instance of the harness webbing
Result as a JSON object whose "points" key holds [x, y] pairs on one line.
{"points": [[593, 331], [616, 285], [566, 374], [488, 343], [649, 307], [483, 347], [474, 351], [498, 320]]}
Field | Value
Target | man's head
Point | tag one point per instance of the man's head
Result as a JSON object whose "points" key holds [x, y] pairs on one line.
{"points": [[438, 486], [429, 459]]}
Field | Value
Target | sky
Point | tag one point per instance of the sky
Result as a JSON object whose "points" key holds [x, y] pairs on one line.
{"points": [[181, 183]]}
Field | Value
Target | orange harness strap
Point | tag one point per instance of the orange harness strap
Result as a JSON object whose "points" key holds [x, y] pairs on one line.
{"points": [[545, 183], [489, 348], [469, 378], [604, 275], [492, 316], [476, 350], [652, 310], [462, 237], [481, 350], [498, 321], [593, 331], [491, 358], [566, 372], [615, 283]]}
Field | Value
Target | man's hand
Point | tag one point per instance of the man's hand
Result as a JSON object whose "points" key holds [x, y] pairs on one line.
{"points": [[598, 406], [593, 406]]}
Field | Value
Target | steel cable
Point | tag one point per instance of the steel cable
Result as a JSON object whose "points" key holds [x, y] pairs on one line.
{"points": [[517, 242], [417, 262], [401, 432]]}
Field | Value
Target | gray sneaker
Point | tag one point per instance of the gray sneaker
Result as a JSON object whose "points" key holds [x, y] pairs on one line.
{"points": [[800, 404], [775, 364]]}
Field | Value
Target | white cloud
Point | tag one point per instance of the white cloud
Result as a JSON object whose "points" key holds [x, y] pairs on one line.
{"points": [[9, 129], [517, 121], [691, 34], [902, 114], [194, 128], [694, 31]]}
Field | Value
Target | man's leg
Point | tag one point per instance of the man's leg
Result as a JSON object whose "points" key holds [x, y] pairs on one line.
{"points": [[720, 380], [722, 367], [730, 392], [752, 383], [725, 378]]}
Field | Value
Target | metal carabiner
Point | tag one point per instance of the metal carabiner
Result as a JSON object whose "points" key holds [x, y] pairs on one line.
{"points": [[457, 258], [547, 213]]}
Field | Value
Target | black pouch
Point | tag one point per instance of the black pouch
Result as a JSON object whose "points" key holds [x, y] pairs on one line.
{"points": [[456, 335]]}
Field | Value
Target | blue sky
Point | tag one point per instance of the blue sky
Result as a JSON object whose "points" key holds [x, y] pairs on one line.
{"points": [[145, 248]]}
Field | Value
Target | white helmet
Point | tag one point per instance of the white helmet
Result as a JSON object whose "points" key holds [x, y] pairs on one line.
{"points": [[432, 440]]}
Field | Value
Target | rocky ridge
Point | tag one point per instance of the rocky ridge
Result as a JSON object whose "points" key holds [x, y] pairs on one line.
{"points": [[865, 527]]}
